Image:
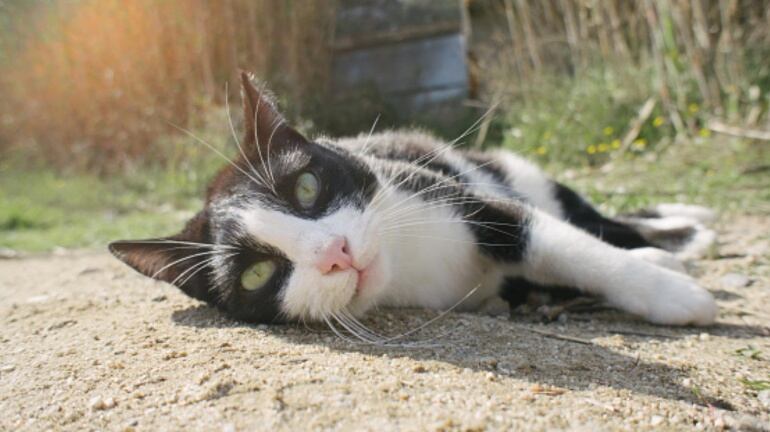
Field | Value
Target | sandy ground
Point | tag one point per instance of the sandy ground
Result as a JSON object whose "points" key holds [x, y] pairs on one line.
{"points": [[86, 344]]}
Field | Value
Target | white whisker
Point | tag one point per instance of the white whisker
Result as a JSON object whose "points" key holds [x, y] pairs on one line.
{"points": [[369, 137], [451, 240], [183, 259], [237, 141], [220, 154]]}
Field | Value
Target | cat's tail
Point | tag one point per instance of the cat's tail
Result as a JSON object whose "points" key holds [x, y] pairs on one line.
{"points": [[681, 229]]}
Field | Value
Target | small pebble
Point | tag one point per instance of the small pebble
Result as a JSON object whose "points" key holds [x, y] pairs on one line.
{"points": [[764, 398], [37, 299], [419, 369], [734, 280], [100, 404], [656, 420], [704, 337], [7, 368]]}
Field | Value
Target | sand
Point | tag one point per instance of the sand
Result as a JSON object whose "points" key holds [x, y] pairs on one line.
{"points": [[89, 345]]}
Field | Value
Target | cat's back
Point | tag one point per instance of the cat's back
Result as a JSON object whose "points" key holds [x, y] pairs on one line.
{"points": [[497, 173]]}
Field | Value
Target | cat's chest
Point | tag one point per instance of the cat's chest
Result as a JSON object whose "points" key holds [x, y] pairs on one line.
{"points": [[435, 260]]}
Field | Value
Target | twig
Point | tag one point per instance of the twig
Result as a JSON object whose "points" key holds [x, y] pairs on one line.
{"points": [[719, 127], [756, 169], [636, 125], [640, 333], [635, 364], [551, 313], [560, 336]]}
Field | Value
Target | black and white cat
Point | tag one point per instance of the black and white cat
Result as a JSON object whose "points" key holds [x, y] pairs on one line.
{"points": [[300, 230]]}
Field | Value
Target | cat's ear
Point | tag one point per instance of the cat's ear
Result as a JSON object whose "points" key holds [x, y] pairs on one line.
{"points": [[264, 124], [179, 260]]}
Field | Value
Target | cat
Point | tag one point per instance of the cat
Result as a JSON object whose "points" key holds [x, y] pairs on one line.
{"points": [[324, 230]]}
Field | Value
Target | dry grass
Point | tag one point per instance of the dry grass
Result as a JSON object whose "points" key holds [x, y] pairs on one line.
{"points": [[703, 51], [95, 82]]}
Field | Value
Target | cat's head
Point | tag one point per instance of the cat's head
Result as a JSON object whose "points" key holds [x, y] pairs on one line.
{"points": [[288, 230]]}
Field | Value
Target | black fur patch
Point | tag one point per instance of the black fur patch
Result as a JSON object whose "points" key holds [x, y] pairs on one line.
{"points": [[501, 230], [580, 213]]}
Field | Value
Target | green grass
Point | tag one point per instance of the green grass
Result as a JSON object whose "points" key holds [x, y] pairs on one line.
{"points": [[581, 119], [756, 385], [728, 175], [40, 210]]}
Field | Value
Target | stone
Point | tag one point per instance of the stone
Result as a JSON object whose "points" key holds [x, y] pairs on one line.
{"points": [[734, 280]]}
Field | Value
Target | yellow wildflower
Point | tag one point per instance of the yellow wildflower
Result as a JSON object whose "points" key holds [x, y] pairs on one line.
{"points": [[591, 149], [640, 144], [603, 148], [693, 108], [608, 130], [541, 150], [705, 133], [615, 144], [658, 121]]}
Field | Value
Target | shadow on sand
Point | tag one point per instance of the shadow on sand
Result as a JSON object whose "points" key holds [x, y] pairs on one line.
{"points": [[558, 355]]}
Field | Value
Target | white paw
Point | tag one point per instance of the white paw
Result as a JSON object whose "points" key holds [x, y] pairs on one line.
{"points": [[701, 214], [680, 301], [659, 257], [662, 296]]}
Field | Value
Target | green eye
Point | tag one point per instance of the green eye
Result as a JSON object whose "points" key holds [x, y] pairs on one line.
{"points": [[307, 190], [257, 275]]}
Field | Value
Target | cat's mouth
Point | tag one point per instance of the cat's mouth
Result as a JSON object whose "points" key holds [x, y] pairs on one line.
{"points": [[362, 278], [364, 273]]}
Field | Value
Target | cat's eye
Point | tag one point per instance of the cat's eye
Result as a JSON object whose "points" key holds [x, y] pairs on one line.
{"points": [[257, 275], [306, 190]]}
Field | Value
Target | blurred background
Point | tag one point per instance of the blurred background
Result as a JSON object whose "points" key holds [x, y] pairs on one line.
{"points": [[631, 102]]}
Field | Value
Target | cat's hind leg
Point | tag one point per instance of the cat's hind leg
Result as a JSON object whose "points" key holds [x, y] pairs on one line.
{"points": [[677, 228], [685, 237], [550, 252], [577, 211]]}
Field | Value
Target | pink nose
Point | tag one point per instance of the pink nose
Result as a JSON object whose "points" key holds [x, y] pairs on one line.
{"points": [[334, 256]]}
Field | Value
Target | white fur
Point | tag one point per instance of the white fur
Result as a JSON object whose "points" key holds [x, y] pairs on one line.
{"points": [[396, 251], [701, 214], [659, 257], [479, 181], [527, 180], [563, 255], [697, 245], [423, 254], [311, 294], [434, 260]]}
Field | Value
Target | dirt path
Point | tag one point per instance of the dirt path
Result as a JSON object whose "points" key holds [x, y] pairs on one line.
{"points": [[87, 344]]}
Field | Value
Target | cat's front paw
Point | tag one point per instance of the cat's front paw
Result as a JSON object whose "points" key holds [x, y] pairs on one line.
{"points": [[678, 300], [662, 296]]}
